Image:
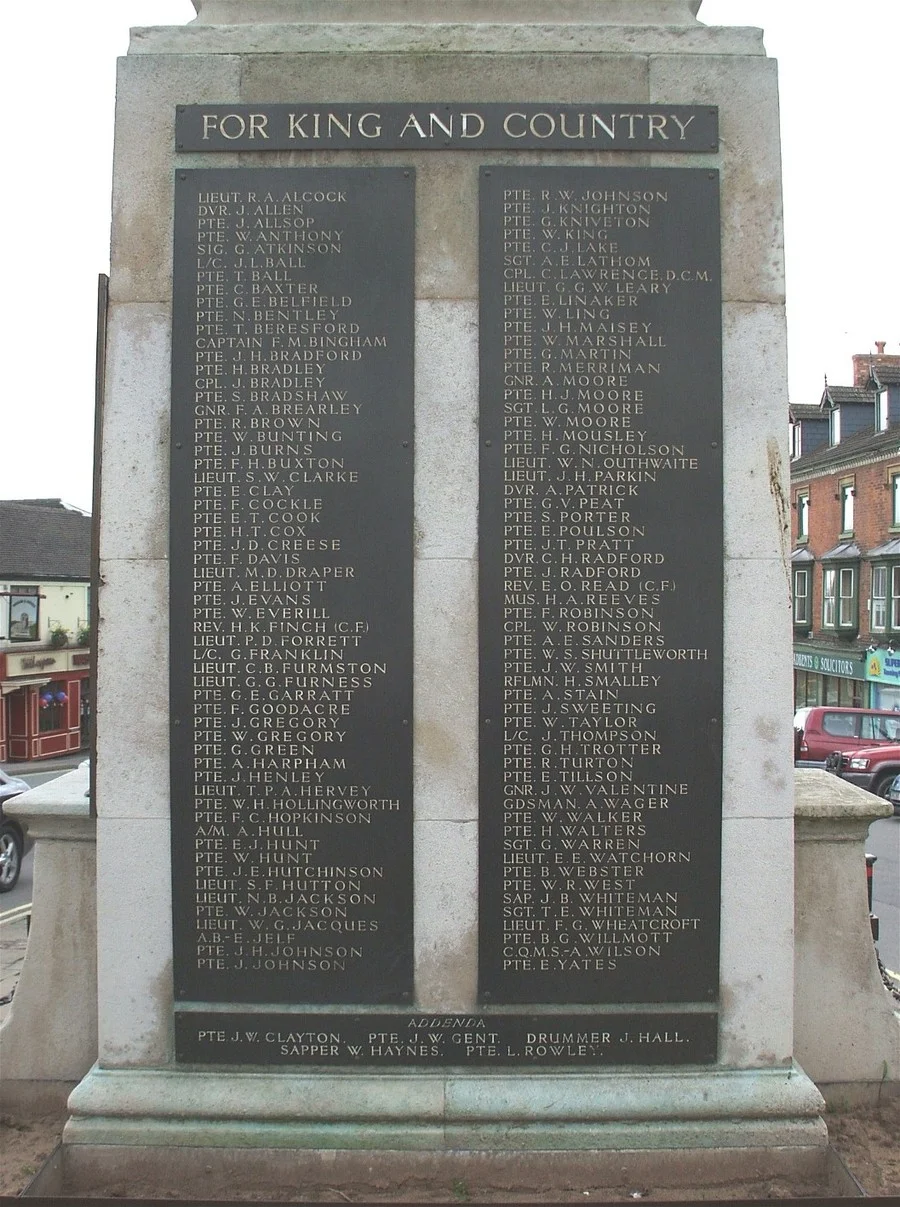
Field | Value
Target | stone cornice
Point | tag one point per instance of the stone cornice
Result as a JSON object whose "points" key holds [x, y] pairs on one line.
{"points": [[851, 462], [443, 37]]}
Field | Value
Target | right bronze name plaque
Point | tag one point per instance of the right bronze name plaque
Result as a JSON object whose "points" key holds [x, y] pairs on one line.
{"points": [[601, 598]]}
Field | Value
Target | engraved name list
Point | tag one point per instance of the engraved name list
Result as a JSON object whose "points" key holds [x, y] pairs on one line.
{"points": [[601, 595], [291, 585]]}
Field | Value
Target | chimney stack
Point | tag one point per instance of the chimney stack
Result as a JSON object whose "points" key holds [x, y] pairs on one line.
{"points": [[864, 362]]}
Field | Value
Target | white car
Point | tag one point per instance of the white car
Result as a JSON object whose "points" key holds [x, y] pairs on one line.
{"points": [[12, 839]]}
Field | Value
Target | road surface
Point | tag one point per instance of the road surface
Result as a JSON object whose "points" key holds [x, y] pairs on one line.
{"points": [[21, 894], [884, 841]]}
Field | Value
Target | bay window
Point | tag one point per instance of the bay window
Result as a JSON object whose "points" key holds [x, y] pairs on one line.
{"points": [[840, 596], [885, 602]]}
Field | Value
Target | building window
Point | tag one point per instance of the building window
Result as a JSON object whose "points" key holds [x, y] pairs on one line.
{"points": [[883, 411], [879, 598], [847, 493], [803, 516], [24, 613], [847, 598], [895, 500], [835, 426], [886, 598], [839, 598], [801, 599], [52, 701], [829, 597]]}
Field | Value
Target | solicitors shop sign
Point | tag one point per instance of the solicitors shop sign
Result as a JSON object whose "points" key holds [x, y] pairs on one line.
{"points": [[829, 664]]}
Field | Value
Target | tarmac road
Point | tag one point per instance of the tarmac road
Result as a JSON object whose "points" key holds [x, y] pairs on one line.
{"points": [[884, 842], [22, 893], [14, 935]]}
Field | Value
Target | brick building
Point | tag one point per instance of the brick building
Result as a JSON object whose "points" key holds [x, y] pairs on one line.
{"points": [[845, 530], [45, 639]]}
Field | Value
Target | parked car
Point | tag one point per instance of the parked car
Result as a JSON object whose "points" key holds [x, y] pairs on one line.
{"points": [[894, 795], [821, 730], [12, 837], [871, 767]]}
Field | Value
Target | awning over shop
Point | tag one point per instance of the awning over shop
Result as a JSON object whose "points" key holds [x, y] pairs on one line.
{"points": [[10, 685]]}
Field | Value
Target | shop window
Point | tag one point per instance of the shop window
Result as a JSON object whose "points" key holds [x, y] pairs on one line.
{"points": [[85, 711], [806, 688], [801, 599], [844, 693], [803, 517], [849, 693], [52, 700], [847, 494], [24, 613], [885, 696]]}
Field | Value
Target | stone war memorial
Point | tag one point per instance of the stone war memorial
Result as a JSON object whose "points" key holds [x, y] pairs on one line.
{"points": [[443, 532]]}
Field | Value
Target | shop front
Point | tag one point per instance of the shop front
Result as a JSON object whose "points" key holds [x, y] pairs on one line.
{"points": [[883, 674], [825, 676], [43, 703]]}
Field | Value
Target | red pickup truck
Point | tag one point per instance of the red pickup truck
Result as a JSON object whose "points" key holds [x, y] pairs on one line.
{"points": [[821, 730], [871, 767]]}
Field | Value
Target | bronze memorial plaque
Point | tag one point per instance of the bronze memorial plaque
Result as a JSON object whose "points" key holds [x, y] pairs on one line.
{"points": [[291, 585], [600, 586], [600, 604]]}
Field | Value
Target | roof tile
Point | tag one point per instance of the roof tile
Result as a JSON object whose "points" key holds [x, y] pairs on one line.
{"points": [[43, 540], [840, 395], [853, 448]]}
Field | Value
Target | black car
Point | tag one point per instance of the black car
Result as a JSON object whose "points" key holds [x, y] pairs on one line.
{"points": [[12, 837], [894, 795]]}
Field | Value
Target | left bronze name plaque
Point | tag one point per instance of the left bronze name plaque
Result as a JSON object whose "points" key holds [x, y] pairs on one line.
{"points": [[291, 585]]}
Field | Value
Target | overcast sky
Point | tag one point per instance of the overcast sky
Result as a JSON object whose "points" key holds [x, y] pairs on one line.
{"points": [[839, 109]]}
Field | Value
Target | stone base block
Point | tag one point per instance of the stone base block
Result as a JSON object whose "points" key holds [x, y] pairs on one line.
{"points": [[227, 1134], [391, 1175]]}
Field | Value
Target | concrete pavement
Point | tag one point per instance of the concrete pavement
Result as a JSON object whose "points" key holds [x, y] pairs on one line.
{"points": [[13, 939]]}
